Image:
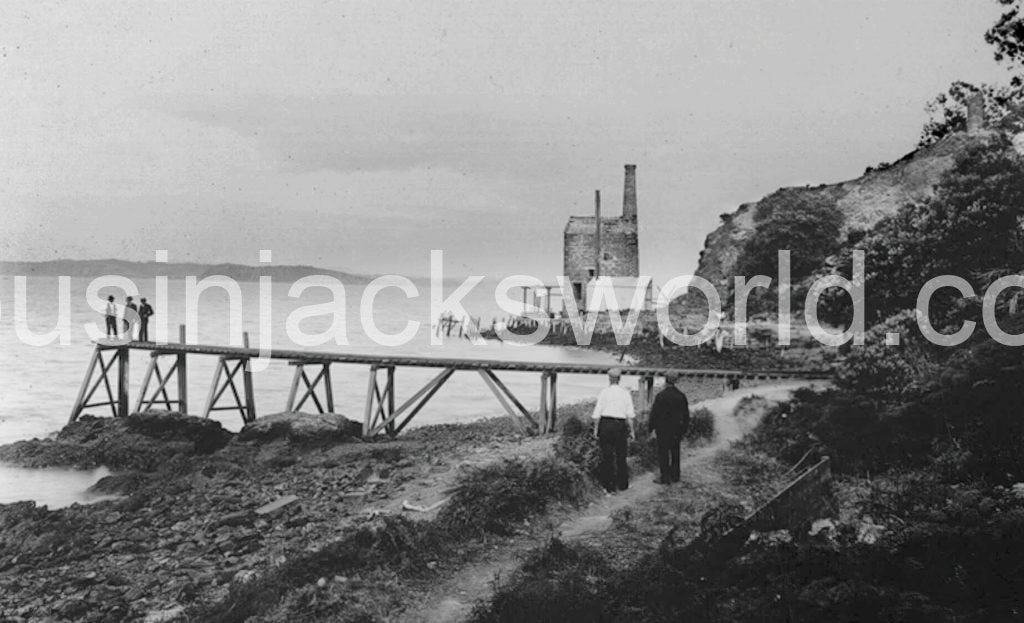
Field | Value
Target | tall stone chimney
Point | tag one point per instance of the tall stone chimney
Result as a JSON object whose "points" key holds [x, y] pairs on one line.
{"points": [[629, 193], [975, 112]]}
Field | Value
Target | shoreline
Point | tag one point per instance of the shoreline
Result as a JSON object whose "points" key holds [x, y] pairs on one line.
{"points": [[189, 519], [202, 509]]}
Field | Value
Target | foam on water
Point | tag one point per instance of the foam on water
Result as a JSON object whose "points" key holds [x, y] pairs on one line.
{"points": [[55, 488]]}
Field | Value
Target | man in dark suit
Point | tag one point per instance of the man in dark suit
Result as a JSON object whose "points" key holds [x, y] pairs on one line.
{"points": [[670, 418], [145, 311]]}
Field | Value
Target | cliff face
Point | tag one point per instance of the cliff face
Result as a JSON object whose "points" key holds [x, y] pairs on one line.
{"points": [[863, 201]]}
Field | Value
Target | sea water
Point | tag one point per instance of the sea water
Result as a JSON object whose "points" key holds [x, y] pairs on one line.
{"points": [[38, 384]]}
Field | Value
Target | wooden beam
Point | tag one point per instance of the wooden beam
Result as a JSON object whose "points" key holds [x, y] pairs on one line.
{"points": [[433, 390], [210, 399], [145, 382], [80, 401], [523, 410]]}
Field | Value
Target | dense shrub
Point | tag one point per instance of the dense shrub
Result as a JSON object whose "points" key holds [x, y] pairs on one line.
{"points": [[496, 498], [956, 555], [702, 427], [578, 446], [558, 582], [806, 223]]}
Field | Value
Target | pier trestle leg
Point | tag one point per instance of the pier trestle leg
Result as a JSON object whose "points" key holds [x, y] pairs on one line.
{"points": [[228, 367], [163, 382], [118, 403], [508, 400], [324, 376], [381, 413]]}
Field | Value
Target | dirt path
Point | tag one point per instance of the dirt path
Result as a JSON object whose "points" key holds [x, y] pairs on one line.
{"points": [[433, 486], [453, 601]]}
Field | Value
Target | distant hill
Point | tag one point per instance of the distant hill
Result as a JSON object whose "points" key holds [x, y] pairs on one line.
{"points": [[238, 272]]}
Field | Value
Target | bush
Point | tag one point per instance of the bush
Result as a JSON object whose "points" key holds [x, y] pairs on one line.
{"points": [[558, 582], [578, 446], [702, 427], [495, 498]]}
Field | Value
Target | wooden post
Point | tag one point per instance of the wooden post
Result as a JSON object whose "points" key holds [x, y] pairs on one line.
{"points": [[544, 423], [290, 405], [649, 392], [182, 369], [328, 390], [597, 243], [391, 400], [554, 401], [250, 396], [122, 381], [370, 390]]}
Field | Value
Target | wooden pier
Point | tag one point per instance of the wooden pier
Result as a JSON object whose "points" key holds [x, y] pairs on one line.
{"points": [[233, 382]]}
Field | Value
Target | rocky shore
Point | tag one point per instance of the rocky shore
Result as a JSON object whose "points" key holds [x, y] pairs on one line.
{"points": [[200, 507]]}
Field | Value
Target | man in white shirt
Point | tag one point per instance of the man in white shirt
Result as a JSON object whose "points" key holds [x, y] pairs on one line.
{"points": [[111, 317], [613, 425]]}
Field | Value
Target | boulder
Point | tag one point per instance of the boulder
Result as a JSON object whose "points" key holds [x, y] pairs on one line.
{"points": [[302, 428]]}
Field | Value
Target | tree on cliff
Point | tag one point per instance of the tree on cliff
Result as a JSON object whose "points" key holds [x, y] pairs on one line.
{"points": [[1007, 36], [806, 224], [1004, 104], [970, 228], [948, 111]]}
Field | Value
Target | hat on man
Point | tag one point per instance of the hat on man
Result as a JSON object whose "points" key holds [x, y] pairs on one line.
{"points": [[615, 373], [671, 377]]}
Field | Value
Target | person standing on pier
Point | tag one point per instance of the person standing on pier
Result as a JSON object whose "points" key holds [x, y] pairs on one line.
{"points": [[129, 319], [670, 419], [145, 311], [614, 427], [111, 317]]}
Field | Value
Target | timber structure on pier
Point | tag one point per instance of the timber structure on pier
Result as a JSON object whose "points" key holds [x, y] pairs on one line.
{"points": [[311, 381]]}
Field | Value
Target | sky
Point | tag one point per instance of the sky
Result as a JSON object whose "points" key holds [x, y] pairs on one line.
{"points": [[359, 136]]}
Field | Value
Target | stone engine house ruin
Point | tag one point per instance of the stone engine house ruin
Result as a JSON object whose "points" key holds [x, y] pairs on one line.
{"points": [[611, 251]]}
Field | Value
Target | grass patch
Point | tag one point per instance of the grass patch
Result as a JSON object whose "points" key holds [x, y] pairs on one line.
{"points": [[398, 544]]}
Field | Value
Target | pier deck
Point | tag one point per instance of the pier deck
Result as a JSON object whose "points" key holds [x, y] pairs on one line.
{"points": [[381, 412]]}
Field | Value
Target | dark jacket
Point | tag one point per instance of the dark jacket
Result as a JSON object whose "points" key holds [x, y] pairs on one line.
{"points": [[145, 311], [670, 414]]}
